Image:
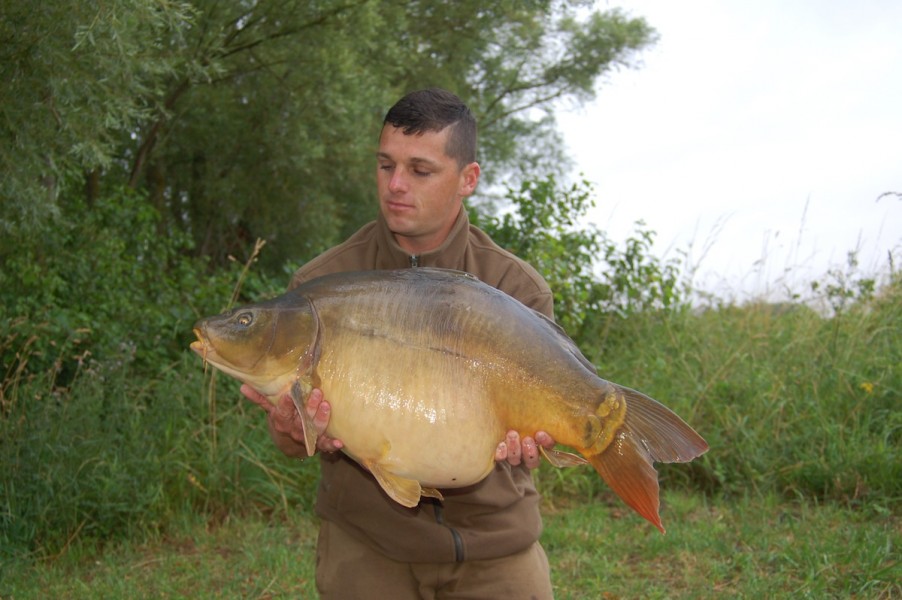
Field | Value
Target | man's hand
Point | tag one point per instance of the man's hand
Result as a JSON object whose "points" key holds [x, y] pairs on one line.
{"points": [[285, 424], [514, 451]]}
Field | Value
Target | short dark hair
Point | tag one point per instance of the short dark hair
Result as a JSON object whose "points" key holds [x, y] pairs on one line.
{"points": [[434, 109]]}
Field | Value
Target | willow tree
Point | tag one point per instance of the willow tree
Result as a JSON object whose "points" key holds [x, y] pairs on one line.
{"points": [[78, 78], [259, 119]]}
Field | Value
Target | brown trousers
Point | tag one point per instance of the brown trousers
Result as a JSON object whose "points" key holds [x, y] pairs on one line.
{"points": [[347, 569]]}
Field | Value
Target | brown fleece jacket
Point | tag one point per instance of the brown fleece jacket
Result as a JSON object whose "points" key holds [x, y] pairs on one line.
{"points": [[496, 517]]}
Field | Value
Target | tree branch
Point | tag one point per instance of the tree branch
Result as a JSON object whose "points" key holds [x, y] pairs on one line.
{"points": [[151, 139]]}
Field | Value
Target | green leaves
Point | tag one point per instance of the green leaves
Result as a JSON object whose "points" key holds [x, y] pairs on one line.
{"points": [[78, 79], [102, 287], [593, 277], [259, 120]]}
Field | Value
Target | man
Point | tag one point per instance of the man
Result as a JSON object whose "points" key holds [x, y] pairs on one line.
{"points": [[480, 541]]}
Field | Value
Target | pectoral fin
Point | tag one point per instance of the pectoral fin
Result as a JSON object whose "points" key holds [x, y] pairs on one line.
{"points": [[404, 491], [307, 373], [299, 397], [561, 459]]}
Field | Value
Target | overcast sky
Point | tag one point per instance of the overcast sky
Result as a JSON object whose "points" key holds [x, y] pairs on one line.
{"points": [[754, 130]]}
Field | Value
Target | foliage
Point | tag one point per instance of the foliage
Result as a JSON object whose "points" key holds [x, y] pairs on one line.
{"points": [[116, 454], [592, 277], [236, 117], [104, 429], [79, 78], [745, 547], [843, 288], [104, 286]]}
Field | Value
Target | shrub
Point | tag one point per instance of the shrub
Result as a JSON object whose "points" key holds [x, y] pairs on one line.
{"points": [[105, 428]]}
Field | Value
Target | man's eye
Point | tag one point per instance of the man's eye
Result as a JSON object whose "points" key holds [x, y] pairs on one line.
{"points": [[386, 167], [421, 173]]}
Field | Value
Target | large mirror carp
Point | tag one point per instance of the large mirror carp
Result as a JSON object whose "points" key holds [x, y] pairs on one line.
{"points": [[427, 369]]}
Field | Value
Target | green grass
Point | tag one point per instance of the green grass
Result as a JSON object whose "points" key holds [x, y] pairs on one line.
{"points": [[244, 558], [714, 548], [745, 548]]}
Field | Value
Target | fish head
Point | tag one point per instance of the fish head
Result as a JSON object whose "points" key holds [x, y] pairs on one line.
{"points": [[263, 345]]}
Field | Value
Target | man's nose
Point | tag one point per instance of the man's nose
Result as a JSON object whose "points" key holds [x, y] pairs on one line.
{"points": [[397, 182]]}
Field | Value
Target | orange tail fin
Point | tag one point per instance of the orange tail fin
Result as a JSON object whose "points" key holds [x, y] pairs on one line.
{"points": [[650, 433]]}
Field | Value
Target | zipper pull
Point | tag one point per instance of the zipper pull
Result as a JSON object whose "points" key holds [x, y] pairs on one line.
{"points": [[414, 260]]}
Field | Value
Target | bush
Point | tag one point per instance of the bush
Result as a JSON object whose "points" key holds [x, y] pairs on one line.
{"points": [[591, 276], [105, 428]]}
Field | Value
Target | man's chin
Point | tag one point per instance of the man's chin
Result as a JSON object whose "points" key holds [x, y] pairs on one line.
{"points": [[400, 221]]}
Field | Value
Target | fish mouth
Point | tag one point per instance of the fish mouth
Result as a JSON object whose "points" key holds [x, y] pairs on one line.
{"points": [[200, 345]]}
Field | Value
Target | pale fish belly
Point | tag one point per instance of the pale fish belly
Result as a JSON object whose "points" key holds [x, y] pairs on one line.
{"points": [[421, 414]]}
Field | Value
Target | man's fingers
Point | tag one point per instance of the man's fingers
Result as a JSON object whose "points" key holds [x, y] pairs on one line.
{"points": [[544, 440], [321, 417], [285, 419], [320, 412], [321, 421], [327, 444], [257, 398], [314, 399], [531, 456], [501, 451], [513, 448], [527, 450]]}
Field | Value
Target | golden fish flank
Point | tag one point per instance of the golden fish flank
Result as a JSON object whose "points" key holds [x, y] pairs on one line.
{"points": [[412, 361]]}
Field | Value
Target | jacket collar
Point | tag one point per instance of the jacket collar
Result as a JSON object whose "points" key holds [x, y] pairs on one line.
{"points": [[448, 255]]}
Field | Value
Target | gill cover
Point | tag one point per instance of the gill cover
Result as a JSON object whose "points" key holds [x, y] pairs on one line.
{"points": [[266, 339]]}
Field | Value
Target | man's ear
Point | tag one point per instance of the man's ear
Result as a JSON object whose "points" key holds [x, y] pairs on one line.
{"points": [[469, 178]]}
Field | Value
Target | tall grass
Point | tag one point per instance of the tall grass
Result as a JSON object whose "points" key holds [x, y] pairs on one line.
{"points": [[791, 402], [113, 456]]}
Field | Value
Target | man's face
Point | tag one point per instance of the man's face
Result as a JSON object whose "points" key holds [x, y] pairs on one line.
{"points": [[421, 188]]}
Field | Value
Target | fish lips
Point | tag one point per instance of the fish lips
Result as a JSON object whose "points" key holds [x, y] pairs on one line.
{"points": [[200, 345]]}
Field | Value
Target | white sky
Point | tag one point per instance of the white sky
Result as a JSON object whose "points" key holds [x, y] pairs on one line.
{"points": [[753, 130]]}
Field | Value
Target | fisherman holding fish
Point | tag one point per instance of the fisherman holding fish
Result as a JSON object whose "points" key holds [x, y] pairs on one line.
{"points": [[480, 541]]}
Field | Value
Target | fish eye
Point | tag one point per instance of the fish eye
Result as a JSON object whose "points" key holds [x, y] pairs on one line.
{"points": [[245, 319]]}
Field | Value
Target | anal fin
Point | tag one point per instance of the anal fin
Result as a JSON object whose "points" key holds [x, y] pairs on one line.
{"points": [[432, 493], [405, 492]]}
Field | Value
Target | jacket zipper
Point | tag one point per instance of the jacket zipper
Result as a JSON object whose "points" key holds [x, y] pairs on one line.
{"points": [[455, 536], [437, 505]]}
